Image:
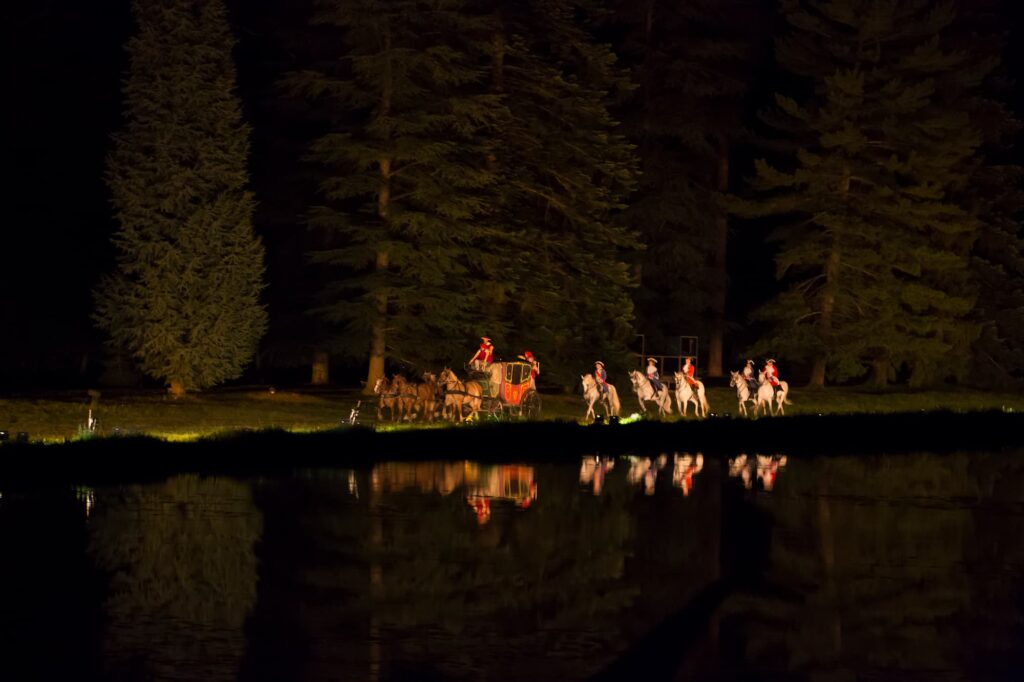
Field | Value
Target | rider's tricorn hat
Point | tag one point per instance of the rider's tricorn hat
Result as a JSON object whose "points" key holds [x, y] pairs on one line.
{"points": [[654, 360], [750, 362], [528, 354], [599, 363], [485, 338], [770, 361]]}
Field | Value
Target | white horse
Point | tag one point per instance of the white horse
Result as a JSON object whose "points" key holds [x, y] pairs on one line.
{"points": [[645, 393], [591, 394], [685, 395], [739, 382], [768, 399]]}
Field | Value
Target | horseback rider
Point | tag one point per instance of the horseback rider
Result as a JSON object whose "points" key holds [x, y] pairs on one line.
{"points": [[601, 376], [534, 366], [484, 355], [652, 375], [771, 374], [748, 375], [689, 373]]}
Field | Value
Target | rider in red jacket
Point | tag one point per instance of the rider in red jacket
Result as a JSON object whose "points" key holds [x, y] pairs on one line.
{"points": [[771, 374], [690, 372], [601, 376]]}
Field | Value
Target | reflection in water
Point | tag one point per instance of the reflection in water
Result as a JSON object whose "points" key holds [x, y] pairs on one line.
{"points": [[644, 470], [483, 484], [87, 496], [183, 576], [763, 468], [593, 470], [685, 467], [885, 568]]}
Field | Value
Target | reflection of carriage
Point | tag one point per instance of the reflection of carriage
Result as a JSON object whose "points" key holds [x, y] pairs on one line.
{"points": [[513, 394]]}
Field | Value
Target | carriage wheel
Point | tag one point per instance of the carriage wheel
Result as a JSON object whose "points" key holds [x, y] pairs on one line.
{"points": [[490, 407], [530, 405]]}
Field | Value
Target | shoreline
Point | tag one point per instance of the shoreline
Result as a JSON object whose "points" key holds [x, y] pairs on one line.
{"points": [[275, 452]]}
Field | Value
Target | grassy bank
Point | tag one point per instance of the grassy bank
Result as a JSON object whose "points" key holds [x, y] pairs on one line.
{"points": [[58, 417], [100, 461]]}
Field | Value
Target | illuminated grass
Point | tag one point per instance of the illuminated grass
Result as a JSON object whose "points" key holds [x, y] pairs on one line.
{"points": [[57, 420]]}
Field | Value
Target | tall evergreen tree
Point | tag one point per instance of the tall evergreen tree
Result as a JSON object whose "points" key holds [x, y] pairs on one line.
{"points": [[184, 300], [472, 176], [405, 179], [996, 196], [874, 254], [565, 172], [692, 62]]}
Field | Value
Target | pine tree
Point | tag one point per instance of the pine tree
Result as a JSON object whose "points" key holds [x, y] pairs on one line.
{"points": [[405, 180], [996, 196], [874, 252], [184, 300], [472, 177], [692, 62], [565, 172]]}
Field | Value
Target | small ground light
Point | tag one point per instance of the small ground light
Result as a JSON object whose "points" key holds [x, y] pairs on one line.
{"points": [[22, 437], [4, 436]]}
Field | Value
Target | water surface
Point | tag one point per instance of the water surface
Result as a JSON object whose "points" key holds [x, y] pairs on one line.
{"points": [[681, 566]]}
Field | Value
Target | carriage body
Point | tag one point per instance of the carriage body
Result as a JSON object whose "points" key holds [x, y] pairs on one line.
{"points": [[515, 394]]}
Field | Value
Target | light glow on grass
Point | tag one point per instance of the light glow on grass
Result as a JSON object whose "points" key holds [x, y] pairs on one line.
{"points": [[635, 417]]}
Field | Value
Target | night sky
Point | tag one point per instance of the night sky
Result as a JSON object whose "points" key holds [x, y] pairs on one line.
{"points": [[64, 64]]}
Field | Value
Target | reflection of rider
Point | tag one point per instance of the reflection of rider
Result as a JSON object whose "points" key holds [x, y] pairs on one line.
{"points": [[748, 374], [601, 376], [771, 374], [689, 372], [484, 355], [652, 374]]}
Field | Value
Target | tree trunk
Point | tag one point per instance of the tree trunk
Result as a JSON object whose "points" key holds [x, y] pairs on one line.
{"points": [[321, 368], [879, 373], [176, 389], [828, 305], [721, 241], [828, 296], [378, 328]]}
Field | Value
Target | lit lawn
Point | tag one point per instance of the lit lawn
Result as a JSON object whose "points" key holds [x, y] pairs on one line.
{"points": [[57, 418]]}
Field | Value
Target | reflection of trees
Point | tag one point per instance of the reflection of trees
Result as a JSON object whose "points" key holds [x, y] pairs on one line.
{"points": [[183, 575], [404, 582], [883, 550], [541, 580]]}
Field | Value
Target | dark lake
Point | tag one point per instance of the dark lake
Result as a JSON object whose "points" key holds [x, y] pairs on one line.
{"points": [[901, 567]]}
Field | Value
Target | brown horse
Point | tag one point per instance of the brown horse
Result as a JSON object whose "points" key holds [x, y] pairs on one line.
{"points": [[405, 397], [426, 396], [458, 395], [386, 398]]}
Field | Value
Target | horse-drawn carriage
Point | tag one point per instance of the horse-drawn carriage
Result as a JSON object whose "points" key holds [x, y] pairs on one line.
{"points": [[507, 389]]}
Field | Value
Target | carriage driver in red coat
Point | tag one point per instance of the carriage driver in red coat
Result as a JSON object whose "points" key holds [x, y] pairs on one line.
{"points": [[484, 357]]}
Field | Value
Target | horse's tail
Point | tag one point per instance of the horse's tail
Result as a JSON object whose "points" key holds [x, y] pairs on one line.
{"points": [[613, 399], [704, 402]]}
